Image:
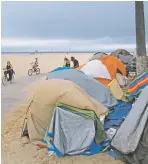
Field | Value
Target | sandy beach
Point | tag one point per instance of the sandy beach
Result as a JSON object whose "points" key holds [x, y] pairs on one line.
{"points": [[48, 61], [14, 104]]}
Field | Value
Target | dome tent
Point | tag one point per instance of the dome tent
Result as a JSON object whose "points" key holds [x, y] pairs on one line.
{"points": [[113, 66], [123, 55], [70, 103], [97, 56], [95, 68]]}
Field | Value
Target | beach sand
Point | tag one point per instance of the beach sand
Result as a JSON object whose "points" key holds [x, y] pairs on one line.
{"points": [[21, 62], [13, 149]]}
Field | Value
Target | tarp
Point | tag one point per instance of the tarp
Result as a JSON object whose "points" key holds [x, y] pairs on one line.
{"points": [[123, 55], [128, 136], [95, 69], [97, 56], [65, 136], [47, 95], [95, 89], [61, 68], [137, 85], [65, 132]]}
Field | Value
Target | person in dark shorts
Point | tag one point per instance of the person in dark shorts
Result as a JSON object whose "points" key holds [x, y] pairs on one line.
{"points": [[75, 62], [67, 62]]}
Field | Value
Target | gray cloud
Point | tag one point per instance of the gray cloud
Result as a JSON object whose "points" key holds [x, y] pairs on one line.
{"points": [[103, 22]]}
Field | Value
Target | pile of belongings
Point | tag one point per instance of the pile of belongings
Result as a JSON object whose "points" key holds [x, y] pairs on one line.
{"points": [[73, 113]]}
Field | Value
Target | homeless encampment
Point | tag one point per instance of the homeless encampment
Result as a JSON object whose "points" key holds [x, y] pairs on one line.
{"points": [[67, 120], [131, 140]]}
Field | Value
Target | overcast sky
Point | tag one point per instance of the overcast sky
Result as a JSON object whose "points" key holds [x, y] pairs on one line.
{"points": [[80, 26]]}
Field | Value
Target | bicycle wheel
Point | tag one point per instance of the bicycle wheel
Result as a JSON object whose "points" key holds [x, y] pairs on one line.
{"points": [[30, 71], [38, 71], [4, 80]]}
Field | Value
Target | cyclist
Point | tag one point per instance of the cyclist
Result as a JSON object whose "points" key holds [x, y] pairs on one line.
{"points": [[35, 64], [9, 70]]}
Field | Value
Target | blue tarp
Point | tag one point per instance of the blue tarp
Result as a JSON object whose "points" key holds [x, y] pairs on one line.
{"points": [[113, 120], [114, 117], [61, 68]]}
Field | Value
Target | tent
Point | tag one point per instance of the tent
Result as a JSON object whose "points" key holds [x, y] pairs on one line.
{"points": [[94, 88], [95, 68], [123, 55], [58, 115], [131, 139], [97, 56], [113, 65], [137, 85]]}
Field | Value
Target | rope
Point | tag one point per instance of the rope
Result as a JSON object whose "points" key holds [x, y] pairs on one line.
{"points": [[14, 121]]}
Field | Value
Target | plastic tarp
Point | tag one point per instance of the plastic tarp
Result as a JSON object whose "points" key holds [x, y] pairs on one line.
{"points": [[129, 134], [95, 89], [65, 136], [126, 59], [96, 68], [61, 68], [137, 85]]}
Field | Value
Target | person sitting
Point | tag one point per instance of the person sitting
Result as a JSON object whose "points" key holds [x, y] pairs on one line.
{"points": [[67, 62], [75, 62], [9, 70]]}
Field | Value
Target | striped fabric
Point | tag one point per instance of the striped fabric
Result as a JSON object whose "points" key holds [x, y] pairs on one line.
{"points": [[137, 85]]}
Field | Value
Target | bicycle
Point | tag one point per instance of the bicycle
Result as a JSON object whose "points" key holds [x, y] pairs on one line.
{"points": [[33, 70], [5, 78]]}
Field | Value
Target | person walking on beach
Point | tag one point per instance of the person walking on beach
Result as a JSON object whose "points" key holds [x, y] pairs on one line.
{"points": [[75, 62], [9, 70], [67, 62]]}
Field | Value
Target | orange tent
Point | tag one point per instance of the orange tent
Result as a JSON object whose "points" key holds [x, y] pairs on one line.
{"points": [[112, 64]]}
